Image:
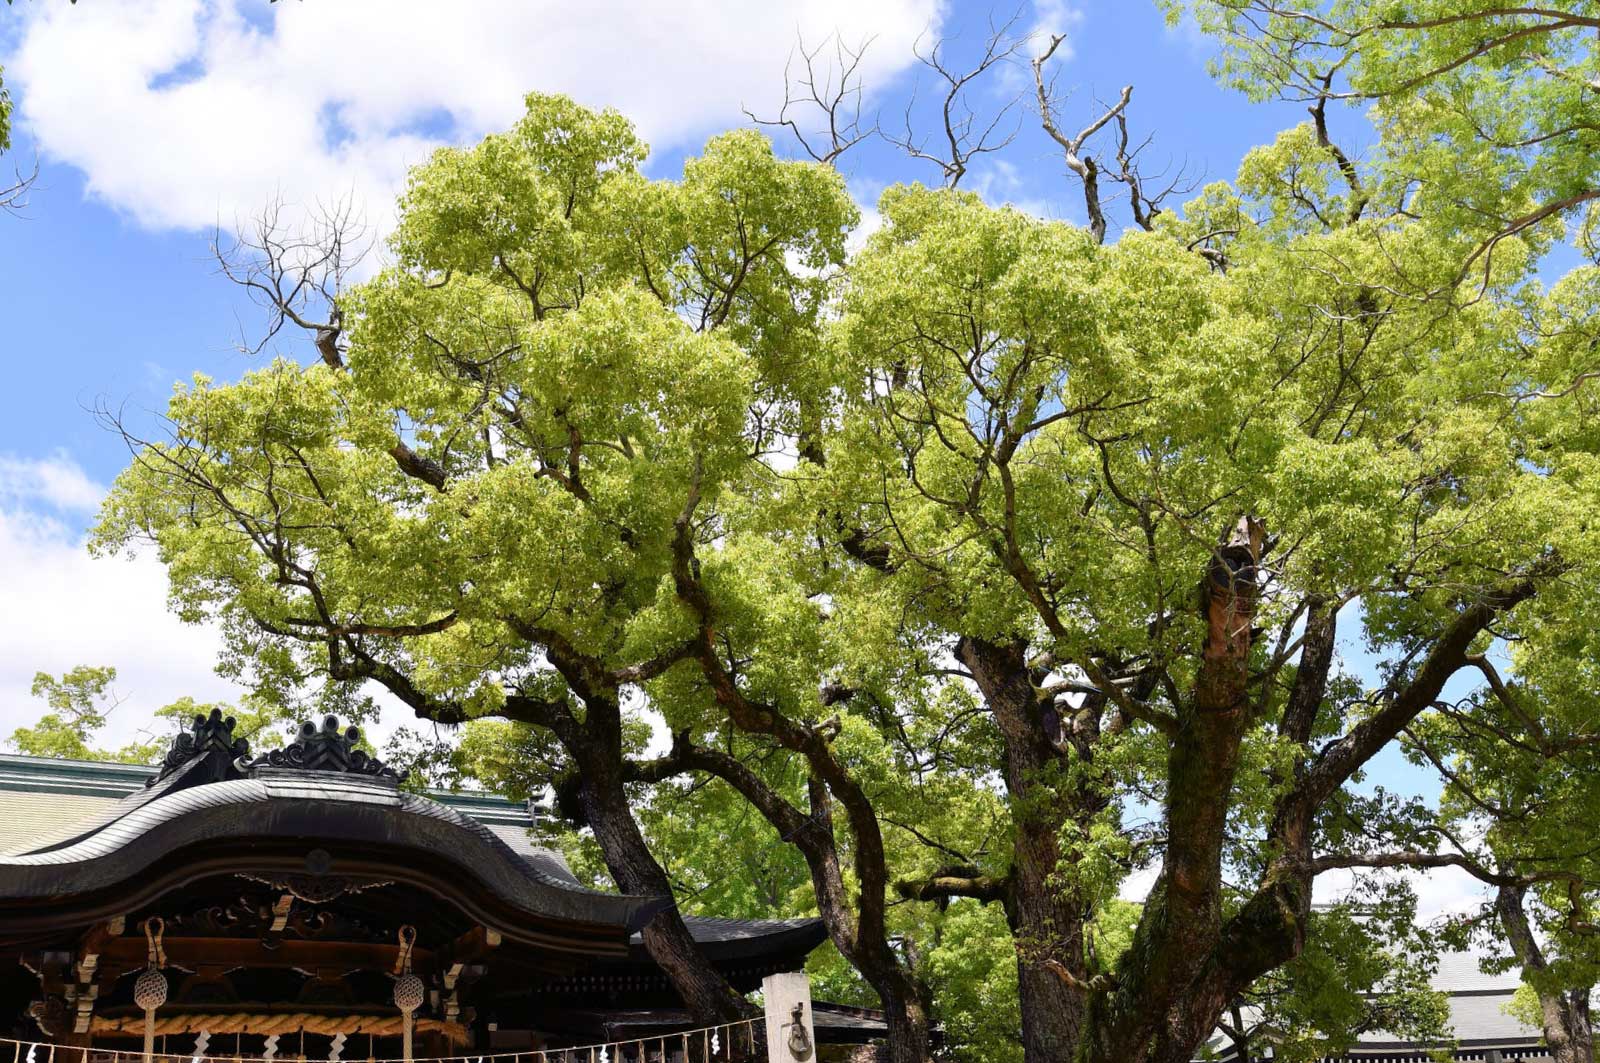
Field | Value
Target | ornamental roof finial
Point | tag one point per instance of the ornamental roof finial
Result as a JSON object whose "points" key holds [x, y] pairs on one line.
{"points": [[210, 733], [328, 748]]}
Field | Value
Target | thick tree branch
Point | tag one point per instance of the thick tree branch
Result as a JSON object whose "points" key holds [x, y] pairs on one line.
{"points": [[1400, 706], [1412, 859], [1311, 675], [417, 466], [1352, 176], [951, 882]]}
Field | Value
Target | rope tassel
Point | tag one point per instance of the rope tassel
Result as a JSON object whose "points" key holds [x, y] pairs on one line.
{"points": [[150, 991], [408, 990]]}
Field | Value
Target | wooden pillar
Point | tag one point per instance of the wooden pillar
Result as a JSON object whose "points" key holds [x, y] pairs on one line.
{"points": [[75, 1047], [791, 1037]]}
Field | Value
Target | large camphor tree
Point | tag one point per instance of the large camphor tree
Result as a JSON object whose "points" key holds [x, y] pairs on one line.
{"points": [[985, 567], [1489, 123]]}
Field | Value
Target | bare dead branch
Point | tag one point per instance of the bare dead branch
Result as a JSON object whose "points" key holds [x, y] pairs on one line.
{"points": [[1085, 166], [14, 197], [1144, 199], [297, 274], [962, 135], [833, 92]]}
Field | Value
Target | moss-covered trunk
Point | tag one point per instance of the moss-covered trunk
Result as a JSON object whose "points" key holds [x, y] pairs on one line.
{"points": [[1170, 987], [1046, 916]]}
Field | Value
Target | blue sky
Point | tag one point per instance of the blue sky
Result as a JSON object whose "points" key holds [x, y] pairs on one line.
{"points": [[155, 122]]}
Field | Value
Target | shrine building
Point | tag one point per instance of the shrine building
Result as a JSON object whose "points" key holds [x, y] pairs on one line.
{"points": [[301, 905]]}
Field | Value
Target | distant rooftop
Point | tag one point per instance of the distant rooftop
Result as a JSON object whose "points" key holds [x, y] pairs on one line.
{"points": [[1478, 1020]]}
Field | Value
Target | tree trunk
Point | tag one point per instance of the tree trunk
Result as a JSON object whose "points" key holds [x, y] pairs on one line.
{"points": [[907, 1019], [1173, 982], [1564, 1014], [1582, 1025], [1046, 920], [843, 912], [1045, 927], [605, 806], [860, 936]]}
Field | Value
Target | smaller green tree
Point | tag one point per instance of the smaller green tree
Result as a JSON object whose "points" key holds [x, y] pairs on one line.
{"points": [[81, 700], [1521, 821], [1366, 967]]}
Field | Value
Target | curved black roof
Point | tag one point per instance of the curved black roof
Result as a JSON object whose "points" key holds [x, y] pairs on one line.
{"points": [[317, 810], [746, 939], [283, 822]]}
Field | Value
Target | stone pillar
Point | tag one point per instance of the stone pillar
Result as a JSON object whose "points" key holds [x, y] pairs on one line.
{"points": [[790, 1035]]}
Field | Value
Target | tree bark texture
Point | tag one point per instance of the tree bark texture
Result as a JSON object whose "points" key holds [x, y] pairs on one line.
{"points": [[1046, 919], [603, 799]]}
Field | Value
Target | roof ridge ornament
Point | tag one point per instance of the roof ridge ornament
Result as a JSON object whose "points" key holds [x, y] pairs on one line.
{"points": [[328, 748], [209, 733]]}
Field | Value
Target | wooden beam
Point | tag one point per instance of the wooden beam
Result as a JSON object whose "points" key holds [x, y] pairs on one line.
{"points": [[82, 993], [475, 944], [92, 942]]}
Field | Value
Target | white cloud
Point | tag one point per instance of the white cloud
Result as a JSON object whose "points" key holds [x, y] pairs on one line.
{"points": [[1055, 18], [866, 193], [59, 607], [184, 112], [1000, 182], [57, 482]]}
